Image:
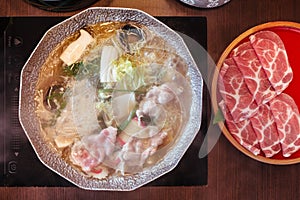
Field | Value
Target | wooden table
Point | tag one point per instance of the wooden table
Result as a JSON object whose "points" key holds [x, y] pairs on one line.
{"points": [[231, 175]]}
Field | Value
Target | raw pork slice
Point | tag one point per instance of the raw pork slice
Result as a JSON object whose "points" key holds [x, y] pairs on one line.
{"points": [[254, 75], [286, 114], [273, 57], [265, 128], [90, 152], [235, 93], [241, 131]]}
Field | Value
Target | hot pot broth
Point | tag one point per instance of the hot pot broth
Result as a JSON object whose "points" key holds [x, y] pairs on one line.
{"points": [[113, 97]]}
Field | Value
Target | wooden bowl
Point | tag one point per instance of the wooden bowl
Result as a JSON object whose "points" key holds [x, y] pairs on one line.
{"points": [[289, 32]]}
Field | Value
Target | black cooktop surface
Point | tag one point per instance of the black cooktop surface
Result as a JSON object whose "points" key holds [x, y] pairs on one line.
{"points": [[19, 165]]}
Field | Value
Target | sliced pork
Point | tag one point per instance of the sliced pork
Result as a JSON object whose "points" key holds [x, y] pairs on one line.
{"points": [[152, 109], [241, 131], [136, 151], [91, 150], [251, 83], [161, 94], [273, 57], [286, 114], [81, 156], [235, 93], [253, 73], [265, 129]]}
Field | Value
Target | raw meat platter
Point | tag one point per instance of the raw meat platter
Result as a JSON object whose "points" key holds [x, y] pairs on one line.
{"points": [[255, 96]]}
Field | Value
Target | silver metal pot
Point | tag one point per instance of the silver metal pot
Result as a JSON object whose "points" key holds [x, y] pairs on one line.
{"points": [[205, 3]]}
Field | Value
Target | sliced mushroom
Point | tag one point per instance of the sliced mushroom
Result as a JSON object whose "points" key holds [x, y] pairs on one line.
{"points": [[130, 38], [54, 99]]}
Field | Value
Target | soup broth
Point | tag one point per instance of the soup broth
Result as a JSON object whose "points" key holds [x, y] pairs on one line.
{"points": [[112, 98]]}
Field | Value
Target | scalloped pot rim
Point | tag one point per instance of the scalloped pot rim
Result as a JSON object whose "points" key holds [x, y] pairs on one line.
{"points": [[29, 122]]}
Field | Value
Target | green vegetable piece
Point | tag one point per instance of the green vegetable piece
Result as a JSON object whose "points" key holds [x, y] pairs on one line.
{"points": [[218, 117], [72, 70], [128, 120]]}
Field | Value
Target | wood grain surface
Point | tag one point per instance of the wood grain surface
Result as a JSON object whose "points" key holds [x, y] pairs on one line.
{"points": [[231, 174]]}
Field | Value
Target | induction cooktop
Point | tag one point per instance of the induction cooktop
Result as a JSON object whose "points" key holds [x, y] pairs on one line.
{"points": [[19, 165]]}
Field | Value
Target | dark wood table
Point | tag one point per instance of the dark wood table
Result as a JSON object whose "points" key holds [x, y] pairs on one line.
{"points": [[231, 174]]}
